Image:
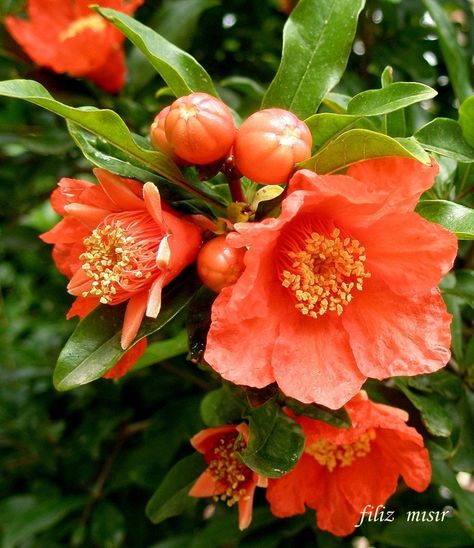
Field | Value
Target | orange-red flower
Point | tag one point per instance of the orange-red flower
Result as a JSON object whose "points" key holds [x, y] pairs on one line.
{"points": [[118, 242], [344, 471], [68, 37], [340, 287], [226, 478]]}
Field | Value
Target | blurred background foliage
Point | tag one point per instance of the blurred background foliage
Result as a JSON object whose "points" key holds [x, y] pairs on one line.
{"points": [[78, 468]]}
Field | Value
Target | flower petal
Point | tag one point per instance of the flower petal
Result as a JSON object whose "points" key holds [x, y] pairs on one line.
{"points": [[246, 506], [118, 191], [241, 351], [205, 486], [313, 362], [397, 335], [402, 180], [133, 318], [128, 360], [409, 253]]}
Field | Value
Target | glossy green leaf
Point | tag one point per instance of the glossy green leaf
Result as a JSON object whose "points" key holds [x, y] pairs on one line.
{"points": [[444, 136], [466, 119], [327, 125], [100, 122], [337, 102], [182, 73], [375, 102], [454, 56], [171, 498], [275, 441], [317, 40], [339, 417], [174, 20], [199, 321], [444, 383], [159, 351], [101, 154], [356, 145], [222, 406], [435, 417], [94, 347], [394, 122], [455, 217]]}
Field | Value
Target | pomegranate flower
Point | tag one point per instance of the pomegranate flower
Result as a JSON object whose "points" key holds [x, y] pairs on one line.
{"points": [[340, 287], [226, 478], [117, 242], [344, 471], [68, 37]]}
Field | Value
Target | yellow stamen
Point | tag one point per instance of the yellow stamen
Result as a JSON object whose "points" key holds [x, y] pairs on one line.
{"points": [[324, 272], [92, 22], [331, 455], [227, 470]]}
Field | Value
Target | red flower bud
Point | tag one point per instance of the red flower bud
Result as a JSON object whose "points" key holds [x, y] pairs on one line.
{"points": [[269, 144], [200, 128], [157, 133], [219, 265]]}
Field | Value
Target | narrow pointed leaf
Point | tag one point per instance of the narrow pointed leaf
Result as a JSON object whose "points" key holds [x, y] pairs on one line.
{"points": [[466, 119], [94, 347], [356, 145], [375, 102], [317, 40], [454, 56], [182, 73], [101, 122], [327, 125], [171, 498]]}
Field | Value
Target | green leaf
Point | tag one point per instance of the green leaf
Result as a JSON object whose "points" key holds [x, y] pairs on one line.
{"points": [[327, 125], [448, 533], [339, 417], [444, 136], [443, 475], [455, 217], [182, 73], [163, 350], [23, 516], [394, 122], [94, 347], [375, 102], [199, 321], [221, 406], [454, 56], [101, 122], [463, 459], [275, 441], [466, 119], [447, 385], [101, 154], [171, 498], [108, 526], [463, 286], [356, 145], [435, 417], [317, 40]]}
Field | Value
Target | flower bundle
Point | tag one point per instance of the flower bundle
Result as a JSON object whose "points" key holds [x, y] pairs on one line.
{"points": [[297, 233]]}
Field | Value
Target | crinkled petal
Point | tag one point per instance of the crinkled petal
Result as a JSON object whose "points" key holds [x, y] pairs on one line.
{"points": [[409, 253], [313, 362], [402, 180], [405, 449], [241, 351], [397, 335], [289, 494]]}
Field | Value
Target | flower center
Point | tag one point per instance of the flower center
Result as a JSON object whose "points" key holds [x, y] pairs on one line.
{"points": [[227, 470], [120, 255], [321, 270], [331, 455], [92, 22]]}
